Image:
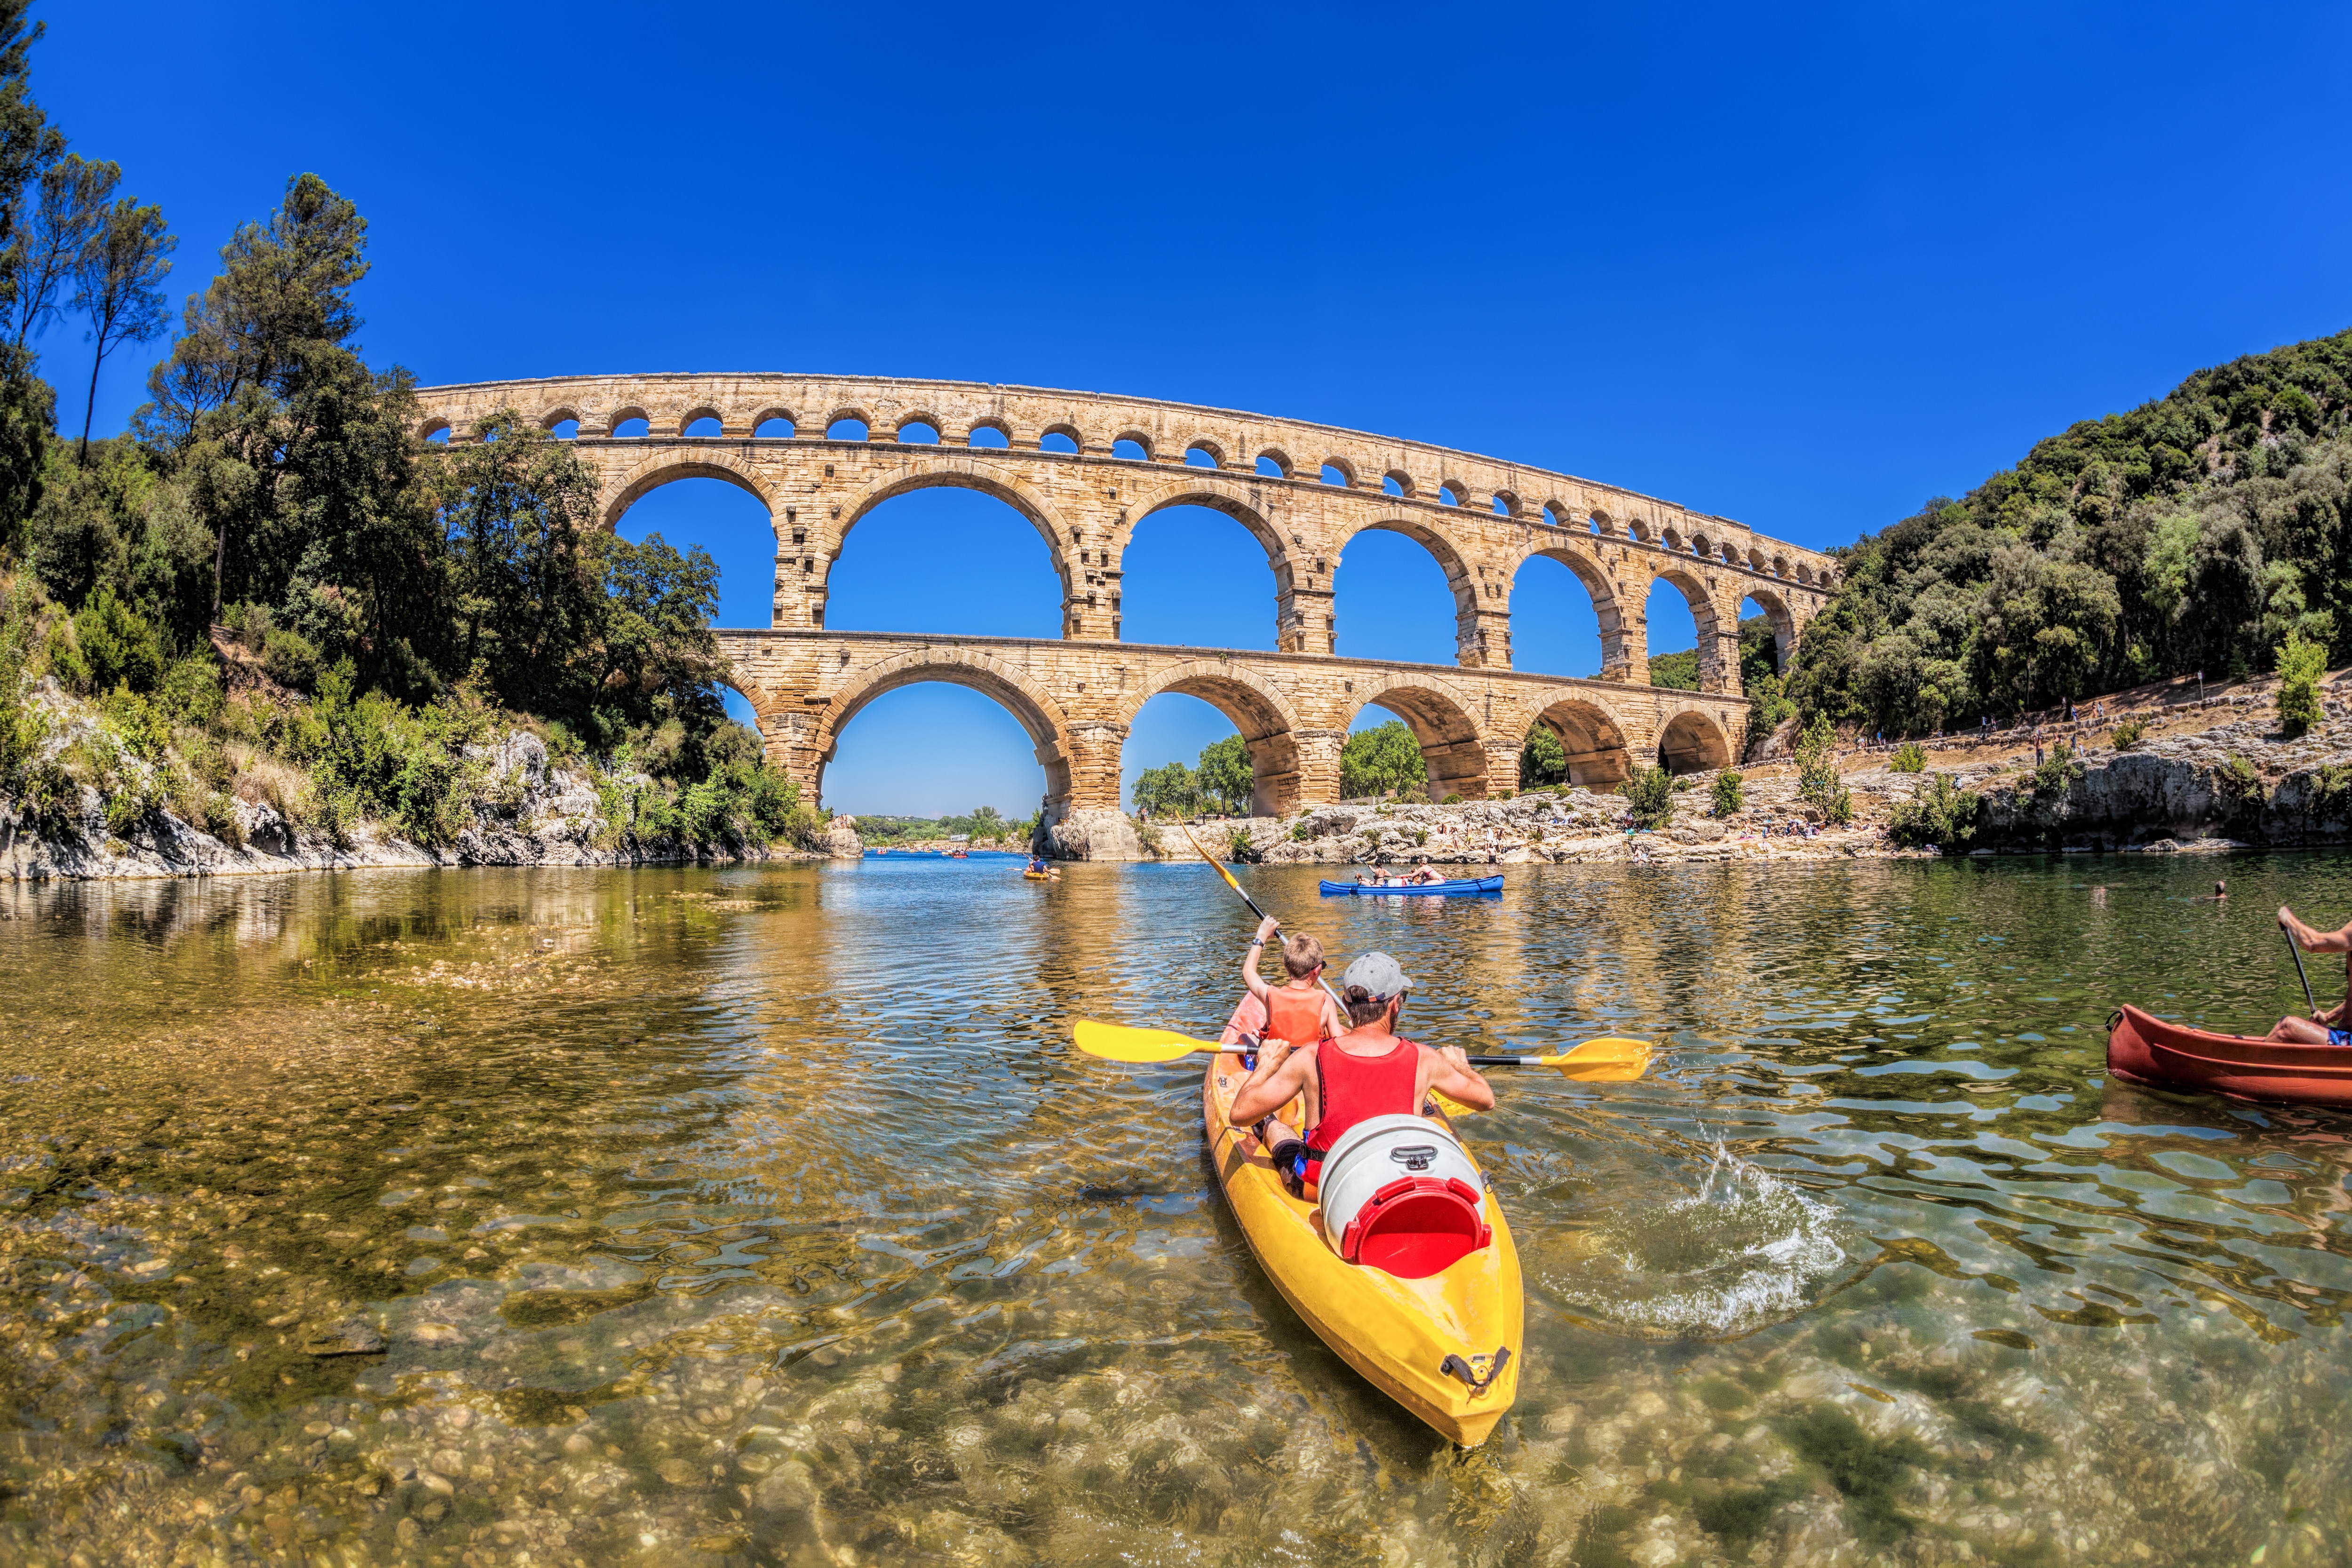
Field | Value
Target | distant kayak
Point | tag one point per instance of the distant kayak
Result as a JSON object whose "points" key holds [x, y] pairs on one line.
{"points": [[1035, 876], [2142, 1048], [1472, 887]]}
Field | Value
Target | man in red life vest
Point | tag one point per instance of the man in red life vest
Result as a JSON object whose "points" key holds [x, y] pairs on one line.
{"points": [[1367, 1071]]}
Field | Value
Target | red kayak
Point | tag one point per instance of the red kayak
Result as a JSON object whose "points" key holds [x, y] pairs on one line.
{"points": [[2144, 1050]]}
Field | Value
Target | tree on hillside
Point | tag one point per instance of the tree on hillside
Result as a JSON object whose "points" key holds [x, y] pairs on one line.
{"points": [[1169, 790], [51, 241], [28, 144], [2196, 532], [119, 285], [283, 291]]}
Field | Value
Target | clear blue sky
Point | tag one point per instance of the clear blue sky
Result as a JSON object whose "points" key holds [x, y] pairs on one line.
{"points": [[1804, 269]]}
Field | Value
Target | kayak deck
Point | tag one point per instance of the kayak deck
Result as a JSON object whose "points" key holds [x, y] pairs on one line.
{"points": [[2143, 1049], [1472, 886], [1399, 1334]]}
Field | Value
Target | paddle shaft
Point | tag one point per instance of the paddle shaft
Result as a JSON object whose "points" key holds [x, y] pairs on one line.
{"points": [[1235, 883], [2309, 1000]]}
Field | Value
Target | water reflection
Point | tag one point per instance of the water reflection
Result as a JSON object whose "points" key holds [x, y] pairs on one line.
{"points": [[764, 1215]]}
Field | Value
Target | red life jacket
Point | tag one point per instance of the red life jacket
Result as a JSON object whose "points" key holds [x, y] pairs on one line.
{"points": [[1356, 1088], [1294, 1015]]}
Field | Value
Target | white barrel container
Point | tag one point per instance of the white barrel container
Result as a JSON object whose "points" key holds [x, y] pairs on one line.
{"points": [[1378, 1152]]}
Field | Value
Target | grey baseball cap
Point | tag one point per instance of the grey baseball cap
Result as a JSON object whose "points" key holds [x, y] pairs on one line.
{"points": [[1377, 973]]}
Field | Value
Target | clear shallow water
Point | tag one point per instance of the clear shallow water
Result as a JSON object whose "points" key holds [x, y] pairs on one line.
{"points": [[764, 1215]]}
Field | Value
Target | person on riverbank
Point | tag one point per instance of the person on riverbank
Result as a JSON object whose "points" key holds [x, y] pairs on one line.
{"points": [[2329, 1026], [1367, 1071]]}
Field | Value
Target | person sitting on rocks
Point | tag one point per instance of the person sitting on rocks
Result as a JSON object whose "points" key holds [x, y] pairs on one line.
{"points": [[2329, 1026]]}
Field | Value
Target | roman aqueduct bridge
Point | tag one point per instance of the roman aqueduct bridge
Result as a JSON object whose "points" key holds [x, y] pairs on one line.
{"points": [[820, 452]]}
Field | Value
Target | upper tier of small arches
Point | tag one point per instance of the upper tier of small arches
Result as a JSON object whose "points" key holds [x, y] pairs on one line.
{"points": [[1117, 430]]}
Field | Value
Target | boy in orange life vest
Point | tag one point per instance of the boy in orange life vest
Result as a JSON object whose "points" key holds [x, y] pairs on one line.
{"points": [[1367, 1071], [1301, 1012]]}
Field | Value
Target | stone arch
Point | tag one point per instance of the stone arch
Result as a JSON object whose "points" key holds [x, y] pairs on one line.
{"points": [[1142, 438], [773, 411], [626, 411], [962, 472], [1453, 741], [699, 411], [1268, 725], [1712, 633], [986, 422], [1230, 495], [557, 416], [899, 427], [1586, 566], [1342, 466], [1692, 742], [1784, 622], [1459, 580], [1031, 705], [663, 464], [1593, 738], [433, 424], [1215, 449], [1280, 459]]}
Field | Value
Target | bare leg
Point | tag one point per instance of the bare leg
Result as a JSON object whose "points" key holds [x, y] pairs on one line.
{"points": [[2299, 1031]]}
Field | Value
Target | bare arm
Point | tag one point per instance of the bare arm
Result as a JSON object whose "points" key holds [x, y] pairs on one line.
{"points": [[1445, 1069], [1281, 1077], [2313, 941], [1250, 976]]}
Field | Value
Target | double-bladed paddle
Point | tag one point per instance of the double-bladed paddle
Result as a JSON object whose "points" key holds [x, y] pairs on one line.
{"points": [[1610, 1059]]}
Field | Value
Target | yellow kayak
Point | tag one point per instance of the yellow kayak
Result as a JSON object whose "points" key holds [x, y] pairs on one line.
{"points": [[1033, 877], [1423, 1342]]}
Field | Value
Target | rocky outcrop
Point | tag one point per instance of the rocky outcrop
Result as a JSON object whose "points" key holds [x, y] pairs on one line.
{"points": [[841, 840], [1092, 835], [533, 814], [2242, 783]]}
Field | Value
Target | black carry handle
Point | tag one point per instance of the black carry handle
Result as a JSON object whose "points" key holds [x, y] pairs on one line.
{"points": [[2309, 1000]]}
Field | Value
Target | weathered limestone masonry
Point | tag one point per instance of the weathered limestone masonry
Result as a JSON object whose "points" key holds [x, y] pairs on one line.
{"points": [[1087, 468], [1076, 701]]}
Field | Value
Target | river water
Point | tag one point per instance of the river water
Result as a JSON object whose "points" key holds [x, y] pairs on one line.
{"points": [[764, 1214]]}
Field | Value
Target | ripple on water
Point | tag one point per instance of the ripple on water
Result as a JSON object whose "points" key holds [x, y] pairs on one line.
{"points": [[1746, 1249]]}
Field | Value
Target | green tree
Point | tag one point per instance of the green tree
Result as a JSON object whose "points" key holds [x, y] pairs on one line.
{"points": [[1728, 799], [1650, 796], [2300, 666], [1227, 780], [283, 291], [1385, 760], [66, 220], [119, 285], [1543, 761], [1817, 775], [1679, 670], [1169, 790], [117, 646]]}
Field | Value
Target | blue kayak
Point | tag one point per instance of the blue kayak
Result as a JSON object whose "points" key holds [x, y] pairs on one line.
{"points": [[1471, 888]]}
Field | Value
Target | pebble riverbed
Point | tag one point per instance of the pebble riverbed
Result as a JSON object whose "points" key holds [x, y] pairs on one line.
{"points": [[764, 1215]]}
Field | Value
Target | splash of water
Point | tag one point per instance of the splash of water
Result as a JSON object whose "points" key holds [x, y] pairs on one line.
{"points": [[1745, 1250]]}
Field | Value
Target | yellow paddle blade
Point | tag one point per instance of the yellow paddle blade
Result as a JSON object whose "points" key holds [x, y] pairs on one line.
{"points": [[1115, 1043], [1610, 1059]]}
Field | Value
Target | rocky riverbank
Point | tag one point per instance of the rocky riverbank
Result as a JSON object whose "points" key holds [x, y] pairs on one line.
{"points": [[2207, 772], [532, 813]]}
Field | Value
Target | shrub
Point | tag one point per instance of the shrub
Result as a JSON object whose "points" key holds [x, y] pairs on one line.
{"points": [[1939, 811], [1685, 782], [1726, 792], [2127, 734], [1420, 836], [1299, 832], [2058, 772], [116, 646], [1910, 757], [1817, 775], [2300, 666], [292, 659], [1237, 844], [1452, 799], [137, 723], [2239, 781], [23, 727], [191, 690], [1650, 793]]}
